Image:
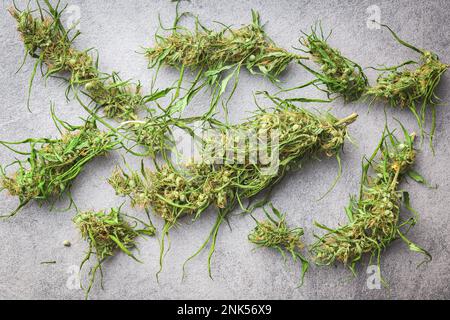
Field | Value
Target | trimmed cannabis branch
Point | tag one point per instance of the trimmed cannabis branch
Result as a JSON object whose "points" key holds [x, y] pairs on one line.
{"points": [[106, 233], [217, 51], [213, 53], [374, 217], [53, 164], [173, 193], [339, 74], [412, 89]]}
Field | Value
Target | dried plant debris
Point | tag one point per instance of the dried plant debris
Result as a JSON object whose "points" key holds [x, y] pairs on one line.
{"points": [[374, 217], [412, 89], [274, 233], [51, 44], [106, 234], [174, 192], [339, 74], [53, 164]]}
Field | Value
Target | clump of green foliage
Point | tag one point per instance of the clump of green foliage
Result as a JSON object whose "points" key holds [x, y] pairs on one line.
{"points": [[339, 74], [174, 192], [218, 56], [106, 233], [51, 44], [53, 164], [170, 193], [154, 131], [374, 217], [412, 89], [274, 233]]}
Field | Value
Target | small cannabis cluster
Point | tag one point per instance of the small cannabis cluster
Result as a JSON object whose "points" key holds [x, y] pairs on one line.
{"points": [[217, 51], [274, 233], [46, 40], [401, 87], [412, 89], [407, 87], [106, 233], [53, 164], [375, 215], [153, 133], [339, 74]]}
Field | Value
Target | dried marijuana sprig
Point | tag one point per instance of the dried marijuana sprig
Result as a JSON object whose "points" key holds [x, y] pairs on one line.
{"points": [[107, 233], [339, 74], [51, 44], [212, 53], [217, 51], [53, 164], [412, 89], [374, 217], [274, 233]]}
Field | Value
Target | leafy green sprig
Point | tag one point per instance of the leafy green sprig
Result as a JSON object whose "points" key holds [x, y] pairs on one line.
{"points": [[412, 89], [53, 164], [339, 74], [274, 233], [107, 233]]}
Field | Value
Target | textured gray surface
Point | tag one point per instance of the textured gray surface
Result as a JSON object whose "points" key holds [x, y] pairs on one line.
{"points": [[118, 29]]}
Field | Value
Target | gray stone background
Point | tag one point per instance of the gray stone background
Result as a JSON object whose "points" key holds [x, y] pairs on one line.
{"points": [[118, 29]]}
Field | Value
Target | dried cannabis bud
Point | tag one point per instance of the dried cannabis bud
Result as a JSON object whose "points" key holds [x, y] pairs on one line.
{"points": [[339, 74], [212, 53], [54, 163], [217, 51], [107, 233], [274, 233], [374, 217], [412, 89]]}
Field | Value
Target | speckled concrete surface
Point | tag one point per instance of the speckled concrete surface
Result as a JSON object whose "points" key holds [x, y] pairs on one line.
{"points": [[118, 29]]}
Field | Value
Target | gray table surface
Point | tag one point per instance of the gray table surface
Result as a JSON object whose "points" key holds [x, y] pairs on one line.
{"points": [[118, 29]]}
